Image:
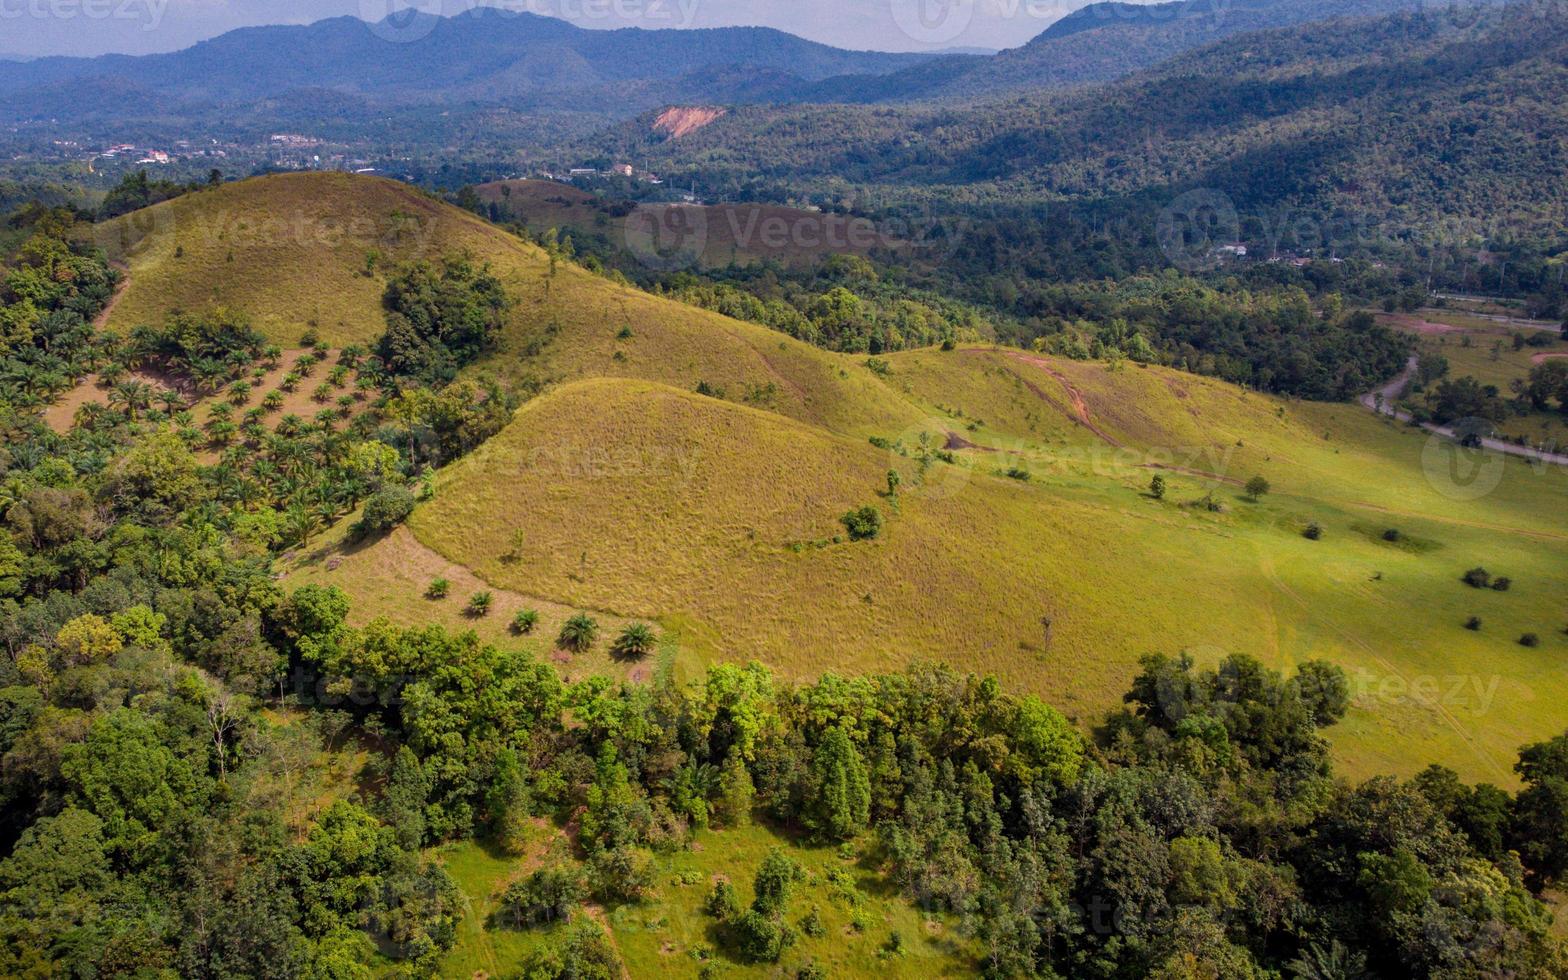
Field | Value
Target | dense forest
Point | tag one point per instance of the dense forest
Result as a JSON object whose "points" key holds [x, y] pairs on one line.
{"points": [[1314, 142], [161, 694]]}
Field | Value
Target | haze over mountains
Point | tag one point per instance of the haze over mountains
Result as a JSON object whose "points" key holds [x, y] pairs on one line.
{"points": [[530, 63]]}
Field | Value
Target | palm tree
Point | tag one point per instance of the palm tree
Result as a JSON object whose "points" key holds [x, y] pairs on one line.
{"points": [[134, 396], [578, 633], [300, 522], [172, 400], [635, 642], [112, 374], [209, 374]]}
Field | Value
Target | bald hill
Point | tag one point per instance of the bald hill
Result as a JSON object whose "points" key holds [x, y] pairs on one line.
{"points": [[688, 469]]}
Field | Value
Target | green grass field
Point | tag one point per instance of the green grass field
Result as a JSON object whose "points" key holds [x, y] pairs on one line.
{"points": [[668, 934], [715, 517], [1484, 350]]}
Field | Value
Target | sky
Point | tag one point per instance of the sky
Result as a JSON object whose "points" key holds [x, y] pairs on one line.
{"points": [[33, 28]]}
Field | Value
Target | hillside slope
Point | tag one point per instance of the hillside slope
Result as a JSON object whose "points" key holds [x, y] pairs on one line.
{"points": [[291, 251], [716, 516]]}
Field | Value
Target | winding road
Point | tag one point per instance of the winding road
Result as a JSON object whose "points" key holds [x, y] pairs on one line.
{"points": [[1382, 400]]}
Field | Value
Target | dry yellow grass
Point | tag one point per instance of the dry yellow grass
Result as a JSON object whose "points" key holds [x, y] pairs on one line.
{"points": [[638, 498]]}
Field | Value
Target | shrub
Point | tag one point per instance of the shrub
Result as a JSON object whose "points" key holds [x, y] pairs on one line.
{"points": [[438, 588], [761, 938], [547, 895], [525, 621], [1473, 623], [1256, 487], [1018, 473], [578, 633], [862, 523], [1157, 487], [1392, 534], [1477, 578], [479, 603], [1313, 532], [385, 510], [1501, 583], [722, 902], [635, 642], [811, 923], [1529, 640]]}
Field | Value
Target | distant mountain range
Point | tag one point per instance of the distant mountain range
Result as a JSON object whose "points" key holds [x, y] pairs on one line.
{"points": [[484, 56], [1098, 43], [524, 63], [1402, 122]]}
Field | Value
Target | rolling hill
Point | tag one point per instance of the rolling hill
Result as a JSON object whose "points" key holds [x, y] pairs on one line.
{"points": [[717, 513]]}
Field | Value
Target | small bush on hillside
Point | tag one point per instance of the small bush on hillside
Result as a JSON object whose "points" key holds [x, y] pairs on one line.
{"points": [[525, 621], [635, 642], [1018, 473], [578, 633], [1473, 623], [722, 902], [547, 895], [1501, 583], [1529, 640], [438, 588], [1477, 578], [1392, 534], [479, 603], [811, 923], [1313, 532], [385, 510], [1256, 488], [1157, 487], [862, 523]]}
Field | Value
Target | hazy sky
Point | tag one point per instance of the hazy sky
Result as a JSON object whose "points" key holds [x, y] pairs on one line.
{"points": [[88, 27]]}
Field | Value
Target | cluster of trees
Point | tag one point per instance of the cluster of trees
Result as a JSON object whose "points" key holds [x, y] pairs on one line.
{"points": [[440, 317], [136, 191], [1465, 399]]}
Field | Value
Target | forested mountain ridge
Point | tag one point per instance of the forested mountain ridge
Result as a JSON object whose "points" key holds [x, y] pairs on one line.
{"points": [[485, 55], [1101, 42], [1410, 118]]}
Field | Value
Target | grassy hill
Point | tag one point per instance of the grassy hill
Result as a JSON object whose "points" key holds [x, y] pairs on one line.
{"points": [[639, 498]]}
